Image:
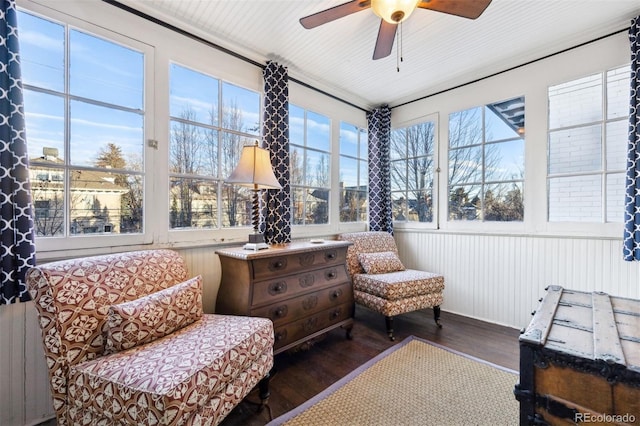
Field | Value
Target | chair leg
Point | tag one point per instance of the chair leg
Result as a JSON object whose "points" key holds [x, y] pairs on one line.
{"points": [[436, 315], [389, 321]]}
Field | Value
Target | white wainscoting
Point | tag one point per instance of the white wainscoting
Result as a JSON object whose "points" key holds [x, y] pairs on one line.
{"points": [[500, 278]]}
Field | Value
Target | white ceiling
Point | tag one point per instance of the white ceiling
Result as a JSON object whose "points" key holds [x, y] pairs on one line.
{"points": [[440, 51]]}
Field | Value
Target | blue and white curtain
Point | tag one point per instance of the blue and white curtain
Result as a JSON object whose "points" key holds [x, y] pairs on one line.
{"points": [[17, 247], [379, 126], [631, 246], [275, 131]]}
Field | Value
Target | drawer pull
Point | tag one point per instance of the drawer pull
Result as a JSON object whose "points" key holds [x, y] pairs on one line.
{"points": [[280, 312], [281, 335], [330, 274], [277, 264], [334, 314], [336, 294], [277, 288], [330, 255]]}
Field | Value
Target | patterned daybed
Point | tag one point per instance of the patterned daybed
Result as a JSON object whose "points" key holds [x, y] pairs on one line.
{"points": [[126, 342], [383, 284]]}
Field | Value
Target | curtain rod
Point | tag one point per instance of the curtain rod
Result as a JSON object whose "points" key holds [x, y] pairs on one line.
{"points": [[218, 47], [512, 68]]}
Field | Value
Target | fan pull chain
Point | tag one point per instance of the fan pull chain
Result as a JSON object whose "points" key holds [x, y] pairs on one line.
{"points": [[399, 50]]}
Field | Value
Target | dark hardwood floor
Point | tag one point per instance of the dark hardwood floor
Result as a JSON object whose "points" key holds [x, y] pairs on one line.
{"points": [[301, 375]]}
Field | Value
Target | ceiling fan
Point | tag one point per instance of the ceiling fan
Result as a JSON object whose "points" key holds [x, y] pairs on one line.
{"points": [[393, 12]]}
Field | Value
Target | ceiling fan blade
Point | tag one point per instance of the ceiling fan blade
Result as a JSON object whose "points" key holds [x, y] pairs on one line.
{"points": [[465, 8], [334, 13], [384, 43]]}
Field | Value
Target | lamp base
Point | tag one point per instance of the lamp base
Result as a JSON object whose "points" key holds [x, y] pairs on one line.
{"points": [[256, 242], [255, 246]]}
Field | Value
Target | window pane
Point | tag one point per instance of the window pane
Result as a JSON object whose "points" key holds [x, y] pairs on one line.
{"points": [[193, 96], [296, 125], [44, 116], [464, 202], [504, 161], [41, 52], [237, 202], [364, 144], [349, 139], [575, 102], [47, 192], [193, 150], [398, 146], [618, 85], [296, 160], [465, 165], [348, 172], [192, 203], [465, 128], [317, 206], [318, 131], [95, 127], [504, 120], [617, 135], [575, 150], [297, 206], [317, 169], [241, 109], [399, 175], [353, 205], [105, 71], [575, 198], [616, 183], [399, 206], [504, 202], [420, 205], [103, 202]]}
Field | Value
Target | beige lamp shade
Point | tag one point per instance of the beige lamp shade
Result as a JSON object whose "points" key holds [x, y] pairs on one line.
{"points": [[254, 169]]}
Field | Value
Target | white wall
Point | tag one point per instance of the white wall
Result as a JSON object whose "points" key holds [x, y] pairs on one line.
{"points": [[492, 272]]}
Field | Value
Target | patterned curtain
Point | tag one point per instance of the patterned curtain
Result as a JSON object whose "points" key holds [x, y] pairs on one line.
{"points": [[16, 226], [631, 246], [275, 131], [379, 126]]}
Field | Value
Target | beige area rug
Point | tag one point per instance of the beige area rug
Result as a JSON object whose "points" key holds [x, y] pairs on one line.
{"points": [[415, 382]]}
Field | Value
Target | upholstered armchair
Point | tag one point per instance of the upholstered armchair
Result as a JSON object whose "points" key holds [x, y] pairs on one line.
{"points": [[382, 283], [126, 342]]}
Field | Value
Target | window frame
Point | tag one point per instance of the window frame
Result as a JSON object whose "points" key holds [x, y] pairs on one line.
{"points": [[105, 240], [436, 191]]}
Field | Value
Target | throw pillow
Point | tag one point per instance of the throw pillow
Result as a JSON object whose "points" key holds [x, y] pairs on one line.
{"points": [[380, 262], [153, 316]]}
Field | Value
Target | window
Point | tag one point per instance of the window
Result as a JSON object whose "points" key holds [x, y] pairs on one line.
{"points": [[84, 107], [588, 125], [353, 173], [211, 120], [412, 172], [310, 157], [486, 162]]}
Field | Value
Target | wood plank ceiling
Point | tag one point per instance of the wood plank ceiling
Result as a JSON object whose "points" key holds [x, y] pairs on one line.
{"points": [[440, 51]]}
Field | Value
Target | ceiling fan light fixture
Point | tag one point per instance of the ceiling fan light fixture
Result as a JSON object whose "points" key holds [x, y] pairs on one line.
{"points": [[394, 11]]}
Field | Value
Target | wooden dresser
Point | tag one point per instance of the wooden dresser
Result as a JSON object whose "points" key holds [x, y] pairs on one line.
{"points": [[302, 287], [580, 360]]}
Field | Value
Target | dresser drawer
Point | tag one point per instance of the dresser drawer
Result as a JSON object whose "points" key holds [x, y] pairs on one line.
{"points": [[305, 305], [289, 333], [286, 264], [281, 288]]}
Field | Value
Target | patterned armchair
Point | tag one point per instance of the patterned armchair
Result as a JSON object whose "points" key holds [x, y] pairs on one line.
{"points": [[383, 284], [126, 342]]}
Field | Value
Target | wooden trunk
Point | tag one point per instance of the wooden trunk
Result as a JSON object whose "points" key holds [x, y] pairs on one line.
{"points": [[580, 360]]}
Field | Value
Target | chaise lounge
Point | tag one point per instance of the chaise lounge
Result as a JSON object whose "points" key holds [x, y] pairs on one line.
{"points": [[382, 283], [126, 342]]}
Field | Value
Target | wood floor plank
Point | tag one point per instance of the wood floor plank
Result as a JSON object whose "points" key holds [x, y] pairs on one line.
{"points": [[301, 375]]}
